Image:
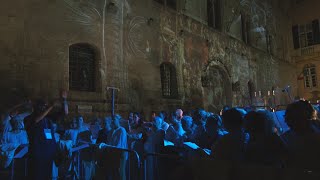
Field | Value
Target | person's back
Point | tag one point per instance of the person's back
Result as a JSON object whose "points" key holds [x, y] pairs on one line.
{"points": [[264, 146], [42, 143], [303, 151], [231, 147], [264, 150], [210, 135], [155, 138], [42, 147], [302, 142]]}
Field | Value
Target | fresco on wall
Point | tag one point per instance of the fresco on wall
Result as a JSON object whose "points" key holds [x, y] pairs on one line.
{"points": [[215, 89], [90, 15], [261, 22], [195, 55], [136, 37]]}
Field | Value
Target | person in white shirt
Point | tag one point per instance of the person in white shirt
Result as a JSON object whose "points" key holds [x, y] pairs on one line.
{"points": [[11, 141], [118, 138]]}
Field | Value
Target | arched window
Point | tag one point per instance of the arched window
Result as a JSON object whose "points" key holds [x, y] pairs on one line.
{"points": [[310, 76], [169, 80], [82, 67]]}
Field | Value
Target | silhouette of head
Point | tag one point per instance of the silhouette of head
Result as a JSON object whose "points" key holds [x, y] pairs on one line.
{"points": [[232, 119], [298, 116]]}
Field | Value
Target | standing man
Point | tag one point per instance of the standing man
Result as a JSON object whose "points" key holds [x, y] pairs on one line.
{"points": [[114, 161], [118, 138], [42, 143]]}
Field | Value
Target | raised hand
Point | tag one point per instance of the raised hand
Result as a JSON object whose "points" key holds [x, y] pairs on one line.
{"points": [[64, 94]]}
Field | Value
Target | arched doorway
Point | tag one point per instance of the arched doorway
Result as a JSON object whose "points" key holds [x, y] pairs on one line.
{"points": [[217, 89]]}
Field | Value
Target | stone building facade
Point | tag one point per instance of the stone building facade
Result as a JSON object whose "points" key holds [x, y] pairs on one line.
{"points": [[161, 54], [305, 50]]}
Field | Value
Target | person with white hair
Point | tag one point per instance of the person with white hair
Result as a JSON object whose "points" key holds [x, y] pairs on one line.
{"points": [[175, 133], [154, 144], [189, 128], [10, 141]]}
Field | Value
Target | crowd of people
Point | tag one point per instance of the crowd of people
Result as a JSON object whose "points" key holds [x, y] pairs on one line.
{"points": [[244, 135]]}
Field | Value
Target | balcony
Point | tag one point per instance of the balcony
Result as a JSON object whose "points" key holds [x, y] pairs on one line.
{"points": [[305, 53]]}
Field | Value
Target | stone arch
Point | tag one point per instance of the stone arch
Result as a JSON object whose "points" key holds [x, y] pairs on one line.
{"points": [[217, 87]]}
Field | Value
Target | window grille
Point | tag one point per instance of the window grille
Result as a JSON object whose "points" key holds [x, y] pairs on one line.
{"points": [[81, 67]]}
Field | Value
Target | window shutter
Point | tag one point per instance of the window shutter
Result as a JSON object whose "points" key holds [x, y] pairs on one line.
{"points": [[217, 14], [295, 36], [248, 31], [210, 13], [316, 32]]}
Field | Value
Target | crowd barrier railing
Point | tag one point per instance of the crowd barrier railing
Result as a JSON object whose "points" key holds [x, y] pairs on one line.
{"points": [[11, 172], [181, 167], [156, 169], [226, 170], [137, 165]]}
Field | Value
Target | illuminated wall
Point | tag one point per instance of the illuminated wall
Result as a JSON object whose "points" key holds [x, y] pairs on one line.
{"points": [[132, 39]]}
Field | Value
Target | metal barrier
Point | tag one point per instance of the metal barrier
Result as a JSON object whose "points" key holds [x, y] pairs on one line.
{"points": [[278, 107], [156, 168], [204, 168], [137, 157], [18, 159], [227, 170], [76, 161]]}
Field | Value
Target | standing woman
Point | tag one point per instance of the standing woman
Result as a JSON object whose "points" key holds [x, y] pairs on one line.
{"points": [[42, 143]]}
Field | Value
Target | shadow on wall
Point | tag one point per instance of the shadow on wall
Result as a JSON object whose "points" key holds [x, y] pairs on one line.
{"points": [[11, 96]]}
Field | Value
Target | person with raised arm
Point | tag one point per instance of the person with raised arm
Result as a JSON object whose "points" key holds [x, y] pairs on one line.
{"points": [[15, 114], [42, 143]]}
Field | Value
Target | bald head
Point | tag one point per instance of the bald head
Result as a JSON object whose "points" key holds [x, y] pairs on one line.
{"points": [[179, 114]]}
